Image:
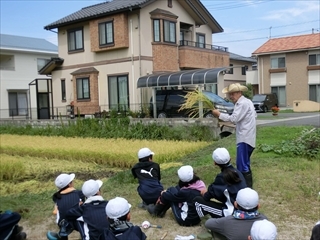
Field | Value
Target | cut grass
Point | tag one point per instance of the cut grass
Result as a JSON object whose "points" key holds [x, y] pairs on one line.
{"points": [[288, 188]]}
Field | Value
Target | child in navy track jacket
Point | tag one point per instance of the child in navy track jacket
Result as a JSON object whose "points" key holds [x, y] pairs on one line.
{"points": [[92, 211]]}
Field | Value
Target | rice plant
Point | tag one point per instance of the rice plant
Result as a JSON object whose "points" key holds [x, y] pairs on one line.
{"points": [[191, 103]]}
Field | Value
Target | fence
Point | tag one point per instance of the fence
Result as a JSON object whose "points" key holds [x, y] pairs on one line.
{"points": [[69, 112]]}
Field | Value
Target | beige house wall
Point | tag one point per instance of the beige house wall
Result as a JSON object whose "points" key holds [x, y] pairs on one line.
{"points": [[133, 53], [297, 77]]}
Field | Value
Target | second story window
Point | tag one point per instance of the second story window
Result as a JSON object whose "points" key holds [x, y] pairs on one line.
{"points": [[169, 31], [278, 62], [156, 30], [230, 71], [75, 40], [314, 59], [106, 33], [243, 70], [201, 40], [83, 88]]}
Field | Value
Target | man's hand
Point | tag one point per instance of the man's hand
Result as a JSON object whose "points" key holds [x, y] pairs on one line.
{"points": [[216, 113]]}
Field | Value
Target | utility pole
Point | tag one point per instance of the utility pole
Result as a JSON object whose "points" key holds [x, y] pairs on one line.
{"points": [[270, 32]]}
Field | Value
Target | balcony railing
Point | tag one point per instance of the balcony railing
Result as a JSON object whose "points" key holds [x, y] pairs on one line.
{"points": [[202, 45]]}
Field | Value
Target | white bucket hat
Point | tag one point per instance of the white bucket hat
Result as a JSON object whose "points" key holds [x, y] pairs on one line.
{"points": [[263, 229], [247, 198], [221, 156]]}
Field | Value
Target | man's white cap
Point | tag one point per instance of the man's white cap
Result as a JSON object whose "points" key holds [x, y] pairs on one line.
{"points": [[247, 198], [221, 156], [185, 173], [91, 187], [63, 180], [263, 230], [117, 207], [144, 152]]}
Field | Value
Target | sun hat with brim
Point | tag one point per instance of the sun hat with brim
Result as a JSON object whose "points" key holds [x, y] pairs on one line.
{"points": [[63, 180], [91, 187], [234, 87], [117, 207]]}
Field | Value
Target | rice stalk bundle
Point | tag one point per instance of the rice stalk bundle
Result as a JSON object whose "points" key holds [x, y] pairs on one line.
{"points": [[191, 103]]}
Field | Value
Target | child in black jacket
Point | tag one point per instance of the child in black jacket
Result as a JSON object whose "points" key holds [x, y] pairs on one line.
{"points": [[224, 188], [180, 198], [118, 214], [148, 174]]}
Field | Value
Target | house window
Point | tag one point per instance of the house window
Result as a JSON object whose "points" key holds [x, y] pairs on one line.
{"points": [[314, 59], [281, 93], [314, 93], [83, 88], [41, 62], [118, 92], [75, 40], [169, 31], [201, 40], [106, 33], [63, 89], [18, 104], [230, 71], [156, 30], [170, 3], [243, 70], [278, 62]]}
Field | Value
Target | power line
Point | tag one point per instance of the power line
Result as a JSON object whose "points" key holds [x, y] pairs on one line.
{"points": [[260, 29], [251, 39], [236, 5]]}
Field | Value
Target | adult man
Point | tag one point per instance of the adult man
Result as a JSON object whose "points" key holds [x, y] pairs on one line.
{"points": [[237, 226], [244, 116]]}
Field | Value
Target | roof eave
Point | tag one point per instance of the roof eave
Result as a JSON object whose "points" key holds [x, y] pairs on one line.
{"points": [[53, 26], [286, 51]]}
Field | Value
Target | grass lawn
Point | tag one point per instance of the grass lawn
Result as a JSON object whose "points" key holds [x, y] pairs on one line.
{"points": [[288, 186]]}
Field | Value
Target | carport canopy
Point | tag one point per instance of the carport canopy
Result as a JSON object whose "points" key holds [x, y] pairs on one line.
{"points": [[181, 78]]}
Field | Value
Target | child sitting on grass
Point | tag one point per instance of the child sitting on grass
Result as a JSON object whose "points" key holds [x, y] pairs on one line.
{"points": [[118, 214], [148, 174]]}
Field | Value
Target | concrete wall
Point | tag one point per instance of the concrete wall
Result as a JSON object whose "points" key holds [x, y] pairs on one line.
{"points": [[305, 106]]}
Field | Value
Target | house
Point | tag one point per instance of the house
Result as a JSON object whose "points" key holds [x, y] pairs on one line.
{"points": [[107, 50], [20, 60], [290, 67], [239, 66]]}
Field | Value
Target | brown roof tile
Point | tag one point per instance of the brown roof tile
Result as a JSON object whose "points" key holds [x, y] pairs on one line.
{"points": [[292, 43]]}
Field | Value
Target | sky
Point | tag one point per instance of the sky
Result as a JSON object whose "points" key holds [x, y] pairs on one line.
{"points": [[247, 24]]}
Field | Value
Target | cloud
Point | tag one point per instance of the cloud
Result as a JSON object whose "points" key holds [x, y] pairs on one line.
{"points": [[301, 9]]}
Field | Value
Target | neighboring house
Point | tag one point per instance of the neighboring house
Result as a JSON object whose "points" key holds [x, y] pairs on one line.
{"points": [[290, 67], [20, 60], [239, 67], [105, 48]]}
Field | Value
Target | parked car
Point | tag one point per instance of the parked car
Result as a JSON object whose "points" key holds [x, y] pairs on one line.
{"points": [[264, 102], [169, 101]]}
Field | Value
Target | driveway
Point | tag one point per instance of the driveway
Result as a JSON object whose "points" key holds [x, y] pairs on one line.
{"points": [[289, 119]]}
